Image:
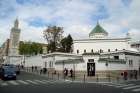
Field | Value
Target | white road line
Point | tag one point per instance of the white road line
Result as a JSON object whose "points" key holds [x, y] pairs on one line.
{"points": [[23, 82], [40, 81], [108, 85], [47, 81], [13, 82], [136, 86], [113, 84], [121, 86], [4, 84], [136, 90], [32, 82]]}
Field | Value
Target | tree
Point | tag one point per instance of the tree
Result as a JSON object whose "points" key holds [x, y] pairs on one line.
{"points": [[53, 36], [69, 43], [66, 44], [30, 48]]}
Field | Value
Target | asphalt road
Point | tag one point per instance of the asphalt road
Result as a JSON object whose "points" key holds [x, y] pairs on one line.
{"points": [[30, 83]]}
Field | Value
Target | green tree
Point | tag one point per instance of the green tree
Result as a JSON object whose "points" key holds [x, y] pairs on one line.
{"points": [[30, 48], [66, 44], [69, 43], [53, 36]]}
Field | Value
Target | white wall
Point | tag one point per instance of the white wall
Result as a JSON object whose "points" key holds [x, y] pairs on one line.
{"points": [[136, 62], [34, 61], [96, 45]]}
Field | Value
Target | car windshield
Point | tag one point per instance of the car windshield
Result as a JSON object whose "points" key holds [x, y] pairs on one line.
{"points": [[9, 69]]}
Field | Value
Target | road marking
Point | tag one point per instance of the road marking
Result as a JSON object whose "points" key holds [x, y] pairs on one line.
{"points": [[4, 84], [40, 81], [132, 87], [113, 84], [136, 90], [125, 85], [13, 82], [47, 81], [23, 82], [32, 82]]}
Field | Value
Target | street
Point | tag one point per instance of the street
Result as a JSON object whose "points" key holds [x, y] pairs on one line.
{"points": [[31, 83]]}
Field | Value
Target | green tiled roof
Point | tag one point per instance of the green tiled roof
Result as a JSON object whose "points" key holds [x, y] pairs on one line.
{"points": [[98, 29]]}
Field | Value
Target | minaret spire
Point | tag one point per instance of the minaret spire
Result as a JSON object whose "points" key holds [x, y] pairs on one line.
{"points": [[16, 23]]}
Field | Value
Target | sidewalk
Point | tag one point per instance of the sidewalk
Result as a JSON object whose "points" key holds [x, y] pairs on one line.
{"points": [[80, 79]]}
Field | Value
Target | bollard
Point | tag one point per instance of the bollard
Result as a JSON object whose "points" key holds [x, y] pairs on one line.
{"points": [[109, 78], [97, 79], [52, 75], [48, 74], [84, 78], [58, 76]]}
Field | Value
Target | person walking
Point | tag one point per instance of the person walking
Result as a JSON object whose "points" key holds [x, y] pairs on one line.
{"points": [[125, 75], [136, 74], [71, 73]]}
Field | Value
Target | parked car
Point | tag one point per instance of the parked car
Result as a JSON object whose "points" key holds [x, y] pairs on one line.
{"points": [[7, 72], [15, 68]]}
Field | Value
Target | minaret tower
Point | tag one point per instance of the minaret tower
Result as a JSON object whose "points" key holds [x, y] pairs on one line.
{"points": [[14, 39]]}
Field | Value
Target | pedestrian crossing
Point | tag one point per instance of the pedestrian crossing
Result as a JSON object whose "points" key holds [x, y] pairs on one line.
{"points": [[30, 82], [124, 86]]}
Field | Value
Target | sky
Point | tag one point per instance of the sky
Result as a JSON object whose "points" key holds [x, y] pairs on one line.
{"points": [[77, 17]]}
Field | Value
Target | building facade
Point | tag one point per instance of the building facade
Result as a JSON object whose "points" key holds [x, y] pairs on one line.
{"points": [[99, 53]]}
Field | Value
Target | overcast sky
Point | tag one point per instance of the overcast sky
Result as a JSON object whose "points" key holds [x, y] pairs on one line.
{"points": [[77, 17]]}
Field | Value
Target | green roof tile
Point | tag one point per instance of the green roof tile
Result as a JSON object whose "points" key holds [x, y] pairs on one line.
{"points": [[98, 29]]}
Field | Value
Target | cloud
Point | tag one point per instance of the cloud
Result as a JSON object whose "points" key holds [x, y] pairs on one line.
{"points": [[78, 17]]}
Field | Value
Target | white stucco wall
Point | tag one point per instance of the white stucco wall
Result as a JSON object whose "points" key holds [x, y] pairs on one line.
{"points": [[96, 45], [34, 61], [99, 66]]}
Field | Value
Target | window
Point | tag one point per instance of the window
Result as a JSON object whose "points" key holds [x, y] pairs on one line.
{"points": [[101, 51], [50, 64], [84, 50], [90, 60], [116, 57], [108, 50], [91, 50], [130, 62], [77, 51], [116, 49], [45, 64]]}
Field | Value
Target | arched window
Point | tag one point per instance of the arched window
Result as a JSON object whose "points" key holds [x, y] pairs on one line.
{"points": [[77, 51], [108, 50], [101, 51], [91, 50], [116, 49], [84, 50]]}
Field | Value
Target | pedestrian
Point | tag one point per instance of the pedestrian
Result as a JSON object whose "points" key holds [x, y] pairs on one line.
{"points": [[71, 73], [66, 72], [125, 75], [40, 71], [32, 68], [136, 73], [44, 70], [131, 74]]}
